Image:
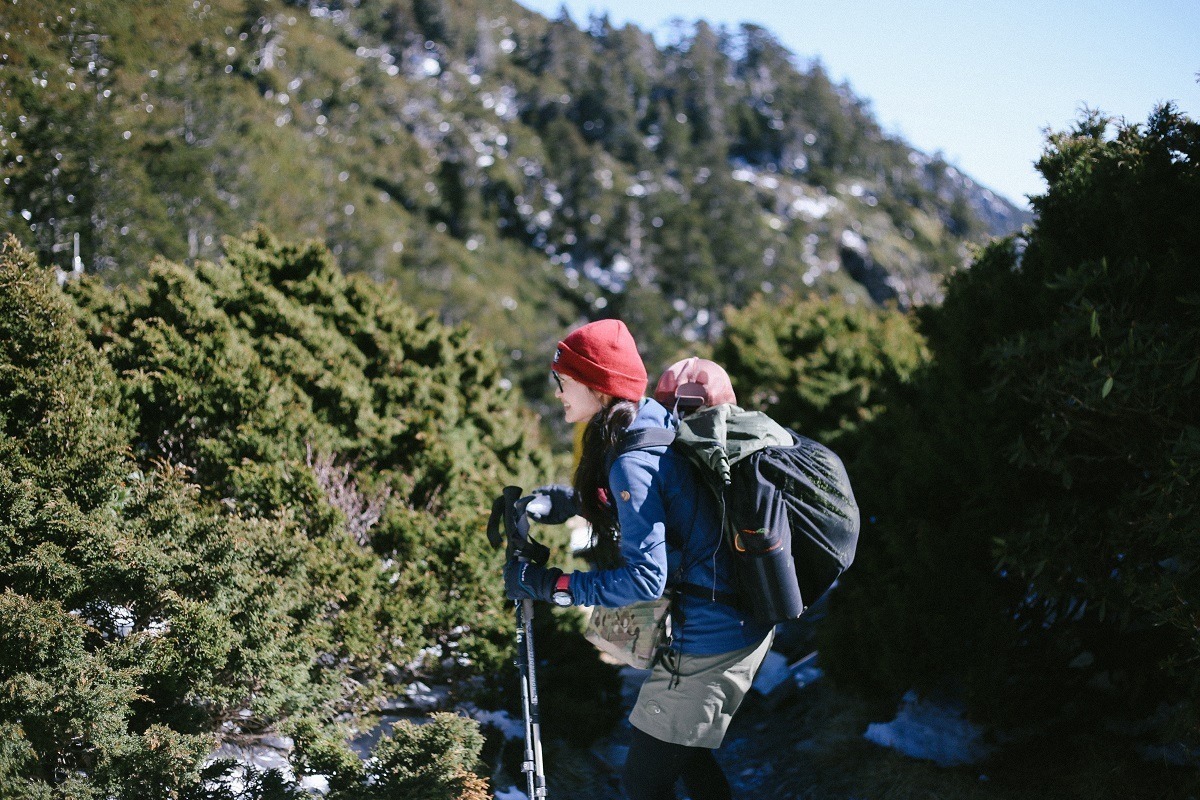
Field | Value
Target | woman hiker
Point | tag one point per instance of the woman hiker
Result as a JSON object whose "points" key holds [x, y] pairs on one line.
{"points": [[654, 525]]}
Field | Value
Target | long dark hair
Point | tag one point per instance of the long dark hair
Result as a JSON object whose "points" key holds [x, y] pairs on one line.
{"points": [[600, 438]]}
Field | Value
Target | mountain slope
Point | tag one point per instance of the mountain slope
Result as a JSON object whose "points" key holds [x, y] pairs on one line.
{"points": [[506, 169]]}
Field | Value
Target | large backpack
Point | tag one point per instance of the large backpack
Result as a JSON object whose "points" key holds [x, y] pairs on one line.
{"points": [[788, 512]]}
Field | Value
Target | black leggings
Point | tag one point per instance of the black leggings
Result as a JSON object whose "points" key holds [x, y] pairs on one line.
{"points": [[653, 766]]}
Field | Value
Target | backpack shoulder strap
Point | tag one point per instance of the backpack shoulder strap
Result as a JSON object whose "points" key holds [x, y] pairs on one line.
{"points": [[639, 439], [644, 439]]}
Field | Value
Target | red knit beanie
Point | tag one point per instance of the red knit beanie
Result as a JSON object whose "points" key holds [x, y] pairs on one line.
{"points": [[602, 356]]}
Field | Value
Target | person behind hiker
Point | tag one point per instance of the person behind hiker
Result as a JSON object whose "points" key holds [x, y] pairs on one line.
{"points": [[654, 524]]}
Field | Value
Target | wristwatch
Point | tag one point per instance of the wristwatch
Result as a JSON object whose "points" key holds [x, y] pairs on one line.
{"points": [[562, 591]]}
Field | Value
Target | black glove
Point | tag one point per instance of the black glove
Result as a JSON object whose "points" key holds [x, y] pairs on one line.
{"points": [[563, 501], [526, 579]]}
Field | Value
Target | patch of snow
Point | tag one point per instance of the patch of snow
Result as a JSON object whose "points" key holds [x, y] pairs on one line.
{"points": [[854, 241], [318, 784], [805, 671], [262, 758], [509, 726], [511, 793], [930, 730], [394, 705], [123, 620], [271, 753], [812, 208], [426, 698]]}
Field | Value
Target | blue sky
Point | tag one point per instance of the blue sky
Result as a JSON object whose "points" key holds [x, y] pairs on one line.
{"points": [[980, 82]]}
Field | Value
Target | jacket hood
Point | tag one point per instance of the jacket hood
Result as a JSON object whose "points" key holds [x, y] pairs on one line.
{"points": [[653, 414]]}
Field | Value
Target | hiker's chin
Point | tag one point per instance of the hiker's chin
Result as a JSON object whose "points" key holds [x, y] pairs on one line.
{"points": [[573, 414]]}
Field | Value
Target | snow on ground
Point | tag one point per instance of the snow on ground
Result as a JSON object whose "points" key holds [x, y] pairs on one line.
{"points": [[924, 729], [426, 698], [930, 730], [854, 241], [813, 208], [773, 672], [511, 727], [271, 753], [806, 671]]}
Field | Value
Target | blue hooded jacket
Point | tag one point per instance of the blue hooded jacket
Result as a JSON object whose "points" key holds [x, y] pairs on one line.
{"points": [[661, 504]]}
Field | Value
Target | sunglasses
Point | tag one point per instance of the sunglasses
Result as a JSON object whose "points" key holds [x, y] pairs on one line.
{"points": [[557, 380]]}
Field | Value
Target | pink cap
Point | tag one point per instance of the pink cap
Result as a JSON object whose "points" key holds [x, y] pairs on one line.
{"points": [[695, 379]]}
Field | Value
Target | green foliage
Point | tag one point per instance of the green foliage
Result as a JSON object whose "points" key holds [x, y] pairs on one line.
{"points": [[238, 369], [258, 486], [817, 366], [1029, 497], [519, 173], [433, 761], [101, 642]]}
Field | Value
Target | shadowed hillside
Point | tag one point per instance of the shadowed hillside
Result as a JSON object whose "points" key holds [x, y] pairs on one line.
{"points": [[514, 171]]}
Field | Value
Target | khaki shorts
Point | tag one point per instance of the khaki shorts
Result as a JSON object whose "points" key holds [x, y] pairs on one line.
{"points": [[691, 700]]}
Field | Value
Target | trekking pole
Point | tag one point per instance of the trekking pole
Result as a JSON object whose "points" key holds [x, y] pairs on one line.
{"points": [[532, 764], [519, 545]]}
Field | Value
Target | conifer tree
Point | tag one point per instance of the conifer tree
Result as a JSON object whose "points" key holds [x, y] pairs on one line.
{"points": [[118, 584], [819, 366], [264, 488], [1029, 498]]}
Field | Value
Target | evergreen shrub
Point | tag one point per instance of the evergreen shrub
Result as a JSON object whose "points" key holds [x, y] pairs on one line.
{"points": [[239, 498], [1030, 504], [815, 364]]}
